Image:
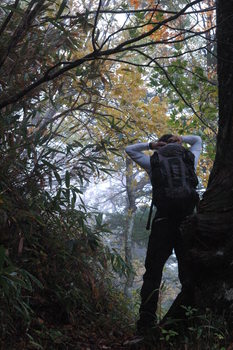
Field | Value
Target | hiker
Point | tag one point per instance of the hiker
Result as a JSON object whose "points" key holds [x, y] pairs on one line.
{"points": [[173, 201]]}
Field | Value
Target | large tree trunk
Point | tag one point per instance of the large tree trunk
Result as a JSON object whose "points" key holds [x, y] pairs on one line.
{"points": [[209, 235]]}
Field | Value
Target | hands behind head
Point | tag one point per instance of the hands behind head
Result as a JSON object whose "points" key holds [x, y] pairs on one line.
{"points": [[175, 138], [158, 144]]}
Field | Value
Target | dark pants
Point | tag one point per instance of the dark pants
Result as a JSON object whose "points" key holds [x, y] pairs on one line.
{"points": [[165, 236]]}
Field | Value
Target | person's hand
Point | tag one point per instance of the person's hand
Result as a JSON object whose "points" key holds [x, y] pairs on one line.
{"points": [[175, 139], [156, 145]]}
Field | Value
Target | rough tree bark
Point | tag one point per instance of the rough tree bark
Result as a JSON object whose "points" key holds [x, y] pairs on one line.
{"points": [[209, 234]]}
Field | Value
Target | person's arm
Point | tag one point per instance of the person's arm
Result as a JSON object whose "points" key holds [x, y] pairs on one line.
{"points": [[136, 153], [196, 145]]}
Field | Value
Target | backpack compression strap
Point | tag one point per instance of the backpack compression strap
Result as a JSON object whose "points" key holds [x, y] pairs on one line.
{"points": [[149, 217], [177, 168]]}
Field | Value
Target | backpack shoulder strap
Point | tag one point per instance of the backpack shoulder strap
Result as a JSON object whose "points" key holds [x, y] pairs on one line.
{"points": [[156, 178], [189, 160], [189, 156]]}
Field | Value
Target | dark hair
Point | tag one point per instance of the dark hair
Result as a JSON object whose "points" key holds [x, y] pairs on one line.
{"points": [[165, 137]]}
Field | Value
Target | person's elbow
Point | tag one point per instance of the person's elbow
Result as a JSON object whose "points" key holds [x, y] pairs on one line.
{"points": [[199, 140], [128, 150], [196, 140]]}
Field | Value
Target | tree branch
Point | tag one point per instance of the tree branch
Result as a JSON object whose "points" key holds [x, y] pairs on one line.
{"points": [[124, 46], [155, 58], [95, 26], [22, 28], [193, 73], [109, 11], [7, 20], [177, 91]]}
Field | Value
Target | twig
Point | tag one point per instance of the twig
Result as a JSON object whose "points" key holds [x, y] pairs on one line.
{"points": [[140, 11], [21, 29], [95, 26], [177, 91], [124, 46], [7, 20]]}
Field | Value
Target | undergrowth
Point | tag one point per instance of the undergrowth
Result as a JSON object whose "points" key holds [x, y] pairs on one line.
{"points": [[57, 292], [56, 288], [56, 276]]}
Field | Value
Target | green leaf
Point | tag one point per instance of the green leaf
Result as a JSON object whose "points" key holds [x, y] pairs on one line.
{"points": [[33, 279], [67, 179], [61, 8], [73, 201], [49, 165], [57, 176], [99, 219], [13, 9]]}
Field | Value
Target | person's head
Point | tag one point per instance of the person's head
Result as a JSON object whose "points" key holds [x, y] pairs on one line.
{"points": [[170, 138], [165, 138]]}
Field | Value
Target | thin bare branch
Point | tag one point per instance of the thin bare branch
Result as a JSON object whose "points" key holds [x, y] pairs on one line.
{"points": [[8, 18], [156, 27], [177, 91], [193, 73], [95, 26], [180, 54], [151, 61], [120, 30], [21, 30], [124, 46], [109, 11]]}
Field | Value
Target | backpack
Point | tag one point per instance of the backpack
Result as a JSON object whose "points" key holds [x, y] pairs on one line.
{"points": [[173, 182]]}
